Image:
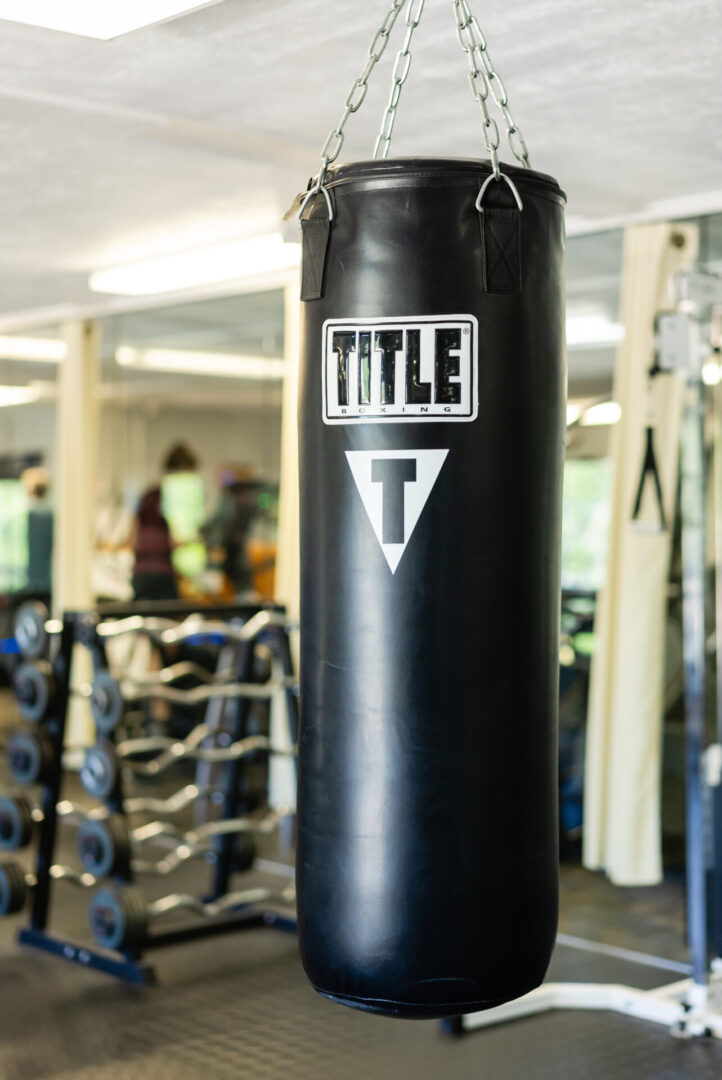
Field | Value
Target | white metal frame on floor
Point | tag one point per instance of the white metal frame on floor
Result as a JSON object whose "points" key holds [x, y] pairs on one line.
{"points": [[684, 1007]]}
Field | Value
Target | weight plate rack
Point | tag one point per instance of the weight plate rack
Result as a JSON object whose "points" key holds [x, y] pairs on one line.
{"points": [[249, 707]]}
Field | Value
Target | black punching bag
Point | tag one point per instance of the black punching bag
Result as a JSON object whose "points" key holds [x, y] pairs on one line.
{"points": [[432, 428], [431, 446]]}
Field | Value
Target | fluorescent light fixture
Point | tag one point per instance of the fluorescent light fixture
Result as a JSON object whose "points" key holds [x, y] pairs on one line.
{"points": [[592, 331], [573, 413], [42, 350], [205, 266], [18, 395], [606, 412], [186, 362], [711, 373], [102, 19]]}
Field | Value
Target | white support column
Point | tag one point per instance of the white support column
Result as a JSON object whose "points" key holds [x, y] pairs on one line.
{"points": [[76, 462], [288, 570], [622, 817]]}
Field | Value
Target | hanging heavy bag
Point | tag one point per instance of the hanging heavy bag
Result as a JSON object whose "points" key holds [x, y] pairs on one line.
{"points": [[431, 440]]}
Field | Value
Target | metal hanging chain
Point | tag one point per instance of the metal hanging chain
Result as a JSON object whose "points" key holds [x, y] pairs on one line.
{"points": [[354, 101], [399, 76], [483, 80]]}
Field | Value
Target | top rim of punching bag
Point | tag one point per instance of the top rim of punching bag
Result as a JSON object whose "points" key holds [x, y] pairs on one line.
{"points": [[446, 169]]}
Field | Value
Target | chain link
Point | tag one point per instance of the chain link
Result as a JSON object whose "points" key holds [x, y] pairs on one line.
{"points": [[478, 81], [357, 93], [485, 80], [399, 76]]}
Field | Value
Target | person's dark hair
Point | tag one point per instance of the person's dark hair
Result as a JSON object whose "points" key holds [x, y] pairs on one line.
{"points": [[180, 459], [149, 508]]}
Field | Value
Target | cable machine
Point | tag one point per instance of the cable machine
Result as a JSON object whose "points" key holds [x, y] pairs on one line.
{"points": [[692, 1006]]}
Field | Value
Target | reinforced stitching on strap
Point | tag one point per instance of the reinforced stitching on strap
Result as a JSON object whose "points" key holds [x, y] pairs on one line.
{"points": [[501, 242]]}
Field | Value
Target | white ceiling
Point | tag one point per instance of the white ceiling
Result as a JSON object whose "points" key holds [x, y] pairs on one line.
{"points": [[203, 128]]}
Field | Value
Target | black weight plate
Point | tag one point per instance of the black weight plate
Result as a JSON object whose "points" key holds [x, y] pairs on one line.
{"points": [[99, 774], [118, 917], [244, 852], [30, 756], [29, 628], [106, 702], [34, 689], [104, 846], [16, 822], [13, 888]]}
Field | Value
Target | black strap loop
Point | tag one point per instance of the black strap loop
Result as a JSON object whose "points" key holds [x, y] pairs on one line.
{"points": [[316, 229], [649, 466], [500, 249]]}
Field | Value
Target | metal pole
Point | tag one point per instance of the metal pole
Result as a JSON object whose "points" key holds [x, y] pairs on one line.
{"points": [[55, 726], [232, 802], [717, 790], [693, 589]]}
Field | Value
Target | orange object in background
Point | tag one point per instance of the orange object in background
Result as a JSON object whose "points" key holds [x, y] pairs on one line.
{"points": [[262, 560]]}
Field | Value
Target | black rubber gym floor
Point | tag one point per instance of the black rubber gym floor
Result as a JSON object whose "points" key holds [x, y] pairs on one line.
{"points": [[238, 1006]]}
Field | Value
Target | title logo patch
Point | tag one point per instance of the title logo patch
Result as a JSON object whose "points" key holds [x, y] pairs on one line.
{"points": [[400, 370]]}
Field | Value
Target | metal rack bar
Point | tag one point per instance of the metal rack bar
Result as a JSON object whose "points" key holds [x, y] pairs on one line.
{"points": [[134, 969], [232, 803], [55, 726]]}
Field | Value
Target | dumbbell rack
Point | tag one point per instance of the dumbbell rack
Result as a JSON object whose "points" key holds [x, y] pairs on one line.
{"points": [[129, 963]]}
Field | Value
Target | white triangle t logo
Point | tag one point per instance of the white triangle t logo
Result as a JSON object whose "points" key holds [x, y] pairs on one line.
{"points": [[394, 486]]}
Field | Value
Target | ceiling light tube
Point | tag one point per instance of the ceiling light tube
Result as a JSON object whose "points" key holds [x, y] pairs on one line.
{"points": [[606, 412], [40, 350], [592, 331], [187, 362], [18, 395], [103, 19], [205, 266], [711, 373]]}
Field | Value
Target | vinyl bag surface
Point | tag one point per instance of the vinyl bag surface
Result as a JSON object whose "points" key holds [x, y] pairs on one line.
{"points": [[431, 446]]}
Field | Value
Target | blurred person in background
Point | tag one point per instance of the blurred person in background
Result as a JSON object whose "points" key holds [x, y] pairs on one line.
{"points": [[155, 542], [226, 531], [183, 506], [36, 482], [150, 539]]}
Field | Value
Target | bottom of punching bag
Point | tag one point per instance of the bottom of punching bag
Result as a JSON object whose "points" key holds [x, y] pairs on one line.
{"points": [[405, 1010]]}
